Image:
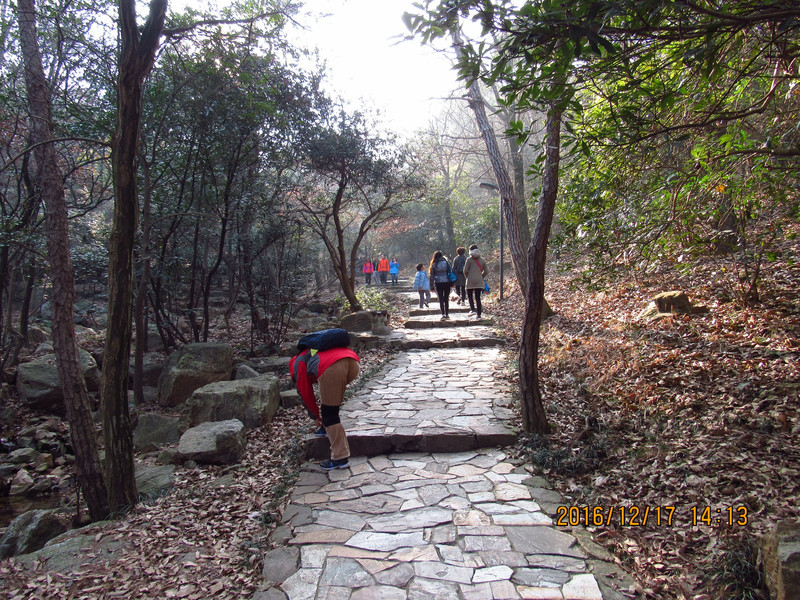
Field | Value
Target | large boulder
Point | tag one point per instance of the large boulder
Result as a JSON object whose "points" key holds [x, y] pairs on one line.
{"points": [[151, 369], [39, 384], [192, 367], [667, 304], [30, 531], [781, 551], [38, 336], [214, 443], [252, 401], [357, 321], [154, 430]]}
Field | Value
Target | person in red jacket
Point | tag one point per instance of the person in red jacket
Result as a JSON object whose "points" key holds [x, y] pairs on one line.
{"points": [[383, 269], [368, 270], [333, 369]]}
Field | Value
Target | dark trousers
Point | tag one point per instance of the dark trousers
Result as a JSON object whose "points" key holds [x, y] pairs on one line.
{"points": [[475, 304], [443, 292], [461, 292]]}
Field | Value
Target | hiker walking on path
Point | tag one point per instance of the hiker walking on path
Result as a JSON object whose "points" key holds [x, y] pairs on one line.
{"points": [[440, 268], [394, 270], [368, 270], [458, 269], [422, 285], [475, 271], [383, 269], [333, 369]]}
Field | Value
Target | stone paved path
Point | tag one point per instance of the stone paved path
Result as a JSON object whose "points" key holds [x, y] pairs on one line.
{"points": [[432, 506]]}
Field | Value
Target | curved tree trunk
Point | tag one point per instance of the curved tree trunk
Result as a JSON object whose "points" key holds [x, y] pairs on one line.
{"points": [[76, 399], [137, 56], [534, 417], [508, 199]]}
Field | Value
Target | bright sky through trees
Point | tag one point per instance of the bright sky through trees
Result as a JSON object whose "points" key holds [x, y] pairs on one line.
{"points": [[370, 66]]}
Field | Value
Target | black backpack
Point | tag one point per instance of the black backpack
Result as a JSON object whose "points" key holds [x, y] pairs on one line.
{"points": [[324, 340]]}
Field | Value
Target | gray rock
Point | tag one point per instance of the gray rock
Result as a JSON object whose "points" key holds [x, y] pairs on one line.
{"points": [[154, 482], [21, 484], [244, 371], [71, 550], [39, 384], [217, 442], [154, 341], [272, 364], [269, 594], [151, 369], [290, 399], [38, 336], [154, 430], [280, 564], [357, 321], [252, 401], [192, 367], [23, 456], [30, 531], [380, 322], [781, 551], [310, 323], [44, 348]]}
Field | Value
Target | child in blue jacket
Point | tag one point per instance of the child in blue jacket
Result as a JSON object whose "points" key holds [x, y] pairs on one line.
{"points": [[422, 285]]}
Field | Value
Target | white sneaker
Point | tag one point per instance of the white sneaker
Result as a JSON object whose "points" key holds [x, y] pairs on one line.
{"points": [[471, 313]]}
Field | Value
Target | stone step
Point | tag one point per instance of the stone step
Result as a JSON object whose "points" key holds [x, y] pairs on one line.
{"points": [[434, 324], [380, 443], [466, 342], [433, 310]]}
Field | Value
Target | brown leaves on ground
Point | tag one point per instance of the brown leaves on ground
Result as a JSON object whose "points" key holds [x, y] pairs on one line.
{"points": [[204, 540], [688, 411]]}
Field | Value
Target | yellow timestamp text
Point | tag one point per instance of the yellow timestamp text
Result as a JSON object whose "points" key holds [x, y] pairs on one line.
{"points": [[642, 516]]}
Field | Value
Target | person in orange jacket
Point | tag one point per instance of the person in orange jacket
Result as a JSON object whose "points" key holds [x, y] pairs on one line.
{"points": [[333, 369], [383, 268]]}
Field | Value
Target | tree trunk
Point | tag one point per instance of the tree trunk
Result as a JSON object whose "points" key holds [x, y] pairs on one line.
{"points": [[534, 417], [136, 59], [76, 399], [507, 197], [518, 168], [25, 309], [140, 308]]}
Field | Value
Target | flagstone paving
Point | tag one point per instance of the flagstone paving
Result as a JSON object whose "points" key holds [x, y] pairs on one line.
{"points": [[431, 506], [436, 400]]}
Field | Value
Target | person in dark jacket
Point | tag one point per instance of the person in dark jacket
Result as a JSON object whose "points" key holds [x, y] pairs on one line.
{"points": [[333, 369], [439, 269], [458, 269]]}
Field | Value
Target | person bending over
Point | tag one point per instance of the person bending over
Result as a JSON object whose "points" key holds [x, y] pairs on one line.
{"points": [[333, 369]]}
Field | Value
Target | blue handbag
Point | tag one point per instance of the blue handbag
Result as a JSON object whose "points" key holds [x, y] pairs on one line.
{"points": [[451, 276], [485, 288]]}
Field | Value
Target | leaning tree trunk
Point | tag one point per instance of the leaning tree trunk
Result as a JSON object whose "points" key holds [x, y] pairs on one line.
{"points": [[507, 197], [534, 417], [76, 399], [137, 56]]}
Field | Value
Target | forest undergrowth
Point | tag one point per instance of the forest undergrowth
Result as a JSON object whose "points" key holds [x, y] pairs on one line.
{"points": [[688, 411]]}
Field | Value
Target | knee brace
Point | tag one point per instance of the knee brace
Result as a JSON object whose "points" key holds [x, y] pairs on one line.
{"points": [[330, 415]]}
